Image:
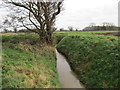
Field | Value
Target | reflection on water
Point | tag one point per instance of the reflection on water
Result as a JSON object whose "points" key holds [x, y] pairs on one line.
{"points": [[66, 76]]}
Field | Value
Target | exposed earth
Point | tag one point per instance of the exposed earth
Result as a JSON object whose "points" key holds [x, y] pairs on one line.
{"points": [[11, 33], [110, 34]]}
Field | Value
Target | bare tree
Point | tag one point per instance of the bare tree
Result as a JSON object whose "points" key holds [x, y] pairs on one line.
{"points": [[61, 29], [5, 30], [38, 17], [15, 30], [108, 26], [70, 28], [105, 23], [77, 29], [92, 25]]}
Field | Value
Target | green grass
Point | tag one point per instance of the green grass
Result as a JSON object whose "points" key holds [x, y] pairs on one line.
{"points": [[94, 58], [27, 63], [74, 33], [58, 36]]}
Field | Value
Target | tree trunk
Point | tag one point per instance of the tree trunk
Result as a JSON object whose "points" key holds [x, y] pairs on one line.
{"points": [[49, 38], [49, 33], [45, 37]]}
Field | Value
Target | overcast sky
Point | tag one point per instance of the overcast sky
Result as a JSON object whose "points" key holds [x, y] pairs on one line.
{"points": [[80, 13]]}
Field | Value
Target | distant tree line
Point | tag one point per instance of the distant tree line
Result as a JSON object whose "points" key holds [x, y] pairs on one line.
{"points": [[70, 28], [100, 28], [17, 31], [105, 26]]}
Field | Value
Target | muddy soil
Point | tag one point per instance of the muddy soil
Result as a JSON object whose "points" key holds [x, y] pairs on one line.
{"points": [[13, 33], [110, 34]]}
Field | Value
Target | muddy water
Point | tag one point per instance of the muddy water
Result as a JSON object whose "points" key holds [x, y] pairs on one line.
{"points": [[66, 76]]}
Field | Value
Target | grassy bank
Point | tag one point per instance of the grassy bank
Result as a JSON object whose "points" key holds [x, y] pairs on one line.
{"points": [[93, 58], [27, 63]]}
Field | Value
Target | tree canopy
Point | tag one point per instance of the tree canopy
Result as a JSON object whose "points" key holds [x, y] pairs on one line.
{"points": [[37, 15]]}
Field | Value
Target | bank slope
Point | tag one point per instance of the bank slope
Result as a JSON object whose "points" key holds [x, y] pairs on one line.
{"points": [[27, 63], [93, 58]]}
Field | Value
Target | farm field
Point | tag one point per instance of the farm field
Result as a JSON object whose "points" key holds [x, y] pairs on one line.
{"points": [[87, 32], [60, 35], [94, 58], [26, 63], [49, 44]]}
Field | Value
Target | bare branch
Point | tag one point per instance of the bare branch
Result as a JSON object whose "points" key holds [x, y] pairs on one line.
{"points": [[41, 15], [33, 22], [29, 28]]}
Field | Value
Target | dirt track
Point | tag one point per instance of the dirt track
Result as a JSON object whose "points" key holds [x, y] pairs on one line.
{"points": [[12, 33]]}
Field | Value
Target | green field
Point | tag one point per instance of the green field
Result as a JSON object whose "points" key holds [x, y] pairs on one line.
{"points": [[27, 63], [58, 36], [94, 58], [84, 32]]}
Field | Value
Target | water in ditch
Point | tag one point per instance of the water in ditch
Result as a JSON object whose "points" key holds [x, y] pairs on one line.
{"points": [[66, 76]]}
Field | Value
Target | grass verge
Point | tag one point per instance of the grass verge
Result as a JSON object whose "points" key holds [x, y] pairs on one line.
{"points": [[27, 63]]}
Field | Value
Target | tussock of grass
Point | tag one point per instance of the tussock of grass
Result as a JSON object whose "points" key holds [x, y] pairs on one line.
{"points": [[28, 64]]}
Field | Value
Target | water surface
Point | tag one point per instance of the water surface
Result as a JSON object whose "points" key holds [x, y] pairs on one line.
{"points": [[66, 76]]}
